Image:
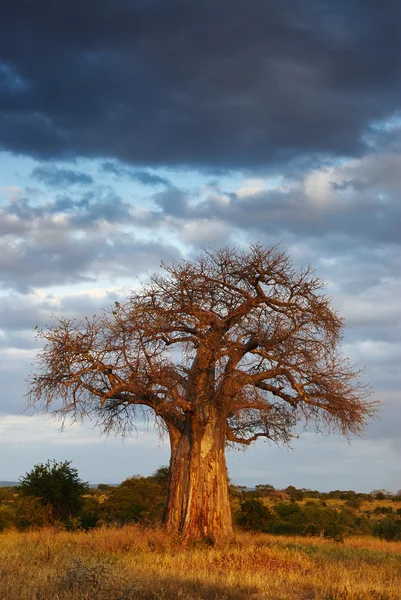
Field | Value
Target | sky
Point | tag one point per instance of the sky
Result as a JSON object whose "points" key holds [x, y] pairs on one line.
{"points": [[135, 132]]}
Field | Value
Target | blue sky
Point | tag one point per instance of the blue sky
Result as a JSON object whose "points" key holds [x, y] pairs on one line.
{"points": [[157, 130]]}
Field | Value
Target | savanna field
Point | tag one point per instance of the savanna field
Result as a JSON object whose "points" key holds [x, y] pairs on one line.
{"points": [[288, 545], [137, 562]]}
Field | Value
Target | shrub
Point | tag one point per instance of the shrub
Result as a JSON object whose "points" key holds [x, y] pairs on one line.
{"points": [[136, 500], [104, 487], [383, 510], [254, 515], [287, 510], [30, 511], [388, 529], [56, 488], [289, 520], [354, 502]]}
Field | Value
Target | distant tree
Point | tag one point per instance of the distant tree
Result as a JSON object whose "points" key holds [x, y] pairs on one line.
{"points": [[104, 487], [354, 502], [238, 490], [294, 493], [55, 487], [233, 347], [264, 489], [381, 494]]}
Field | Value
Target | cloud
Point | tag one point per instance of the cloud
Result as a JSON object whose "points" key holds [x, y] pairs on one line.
{"points": [[143, 177], [75, 238], [13, 193], [198, 84], [316, 207], [52, 256], [56, 177], [21, 314]]}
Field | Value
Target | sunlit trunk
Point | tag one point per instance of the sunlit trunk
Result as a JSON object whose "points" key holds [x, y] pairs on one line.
{"points": [[197, 503]]}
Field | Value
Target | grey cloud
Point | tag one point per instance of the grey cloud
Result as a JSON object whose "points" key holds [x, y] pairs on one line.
{"points": [[18, 313], [73, 239], [22, 314], [56, 177], [387, 426], [9, 225], [81, 305], [320, 206], [18, 341], [144, 177], [363, 221], [15, 368], [84, 210], [355, 184], [54, 257], [95, 206], [174, 202], [201, 84]]}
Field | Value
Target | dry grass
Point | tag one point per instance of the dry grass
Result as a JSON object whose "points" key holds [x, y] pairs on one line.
{"points": [[134, 563]]}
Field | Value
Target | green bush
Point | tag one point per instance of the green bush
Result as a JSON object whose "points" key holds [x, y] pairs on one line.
{"points": [[254, 515], [136, 500], [289, 519], [104, 487], [388, 529], [383, 510], [53, 492], [354, 502], [89, 514], [31, 512], [288, 510]]}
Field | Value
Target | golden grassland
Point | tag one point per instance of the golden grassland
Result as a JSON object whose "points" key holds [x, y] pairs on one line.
{"points": [[139, 563]]}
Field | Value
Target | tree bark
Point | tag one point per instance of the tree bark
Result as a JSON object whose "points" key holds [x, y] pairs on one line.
{"points": [[197, 505]]}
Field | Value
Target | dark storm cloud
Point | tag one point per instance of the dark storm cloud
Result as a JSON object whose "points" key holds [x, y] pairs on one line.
{"points": [[56, 177], [212, 84]]}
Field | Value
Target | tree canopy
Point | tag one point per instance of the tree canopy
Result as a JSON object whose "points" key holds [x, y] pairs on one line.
{"points": [[226, 349]]}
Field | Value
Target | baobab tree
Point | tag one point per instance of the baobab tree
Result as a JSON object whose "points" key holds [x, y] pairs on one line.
{"points": [[232, 347]]}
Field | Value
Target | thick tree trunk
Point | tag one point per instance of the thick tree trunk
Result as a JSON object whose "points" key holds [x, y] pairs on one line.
{"points": [[197, 503]]}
